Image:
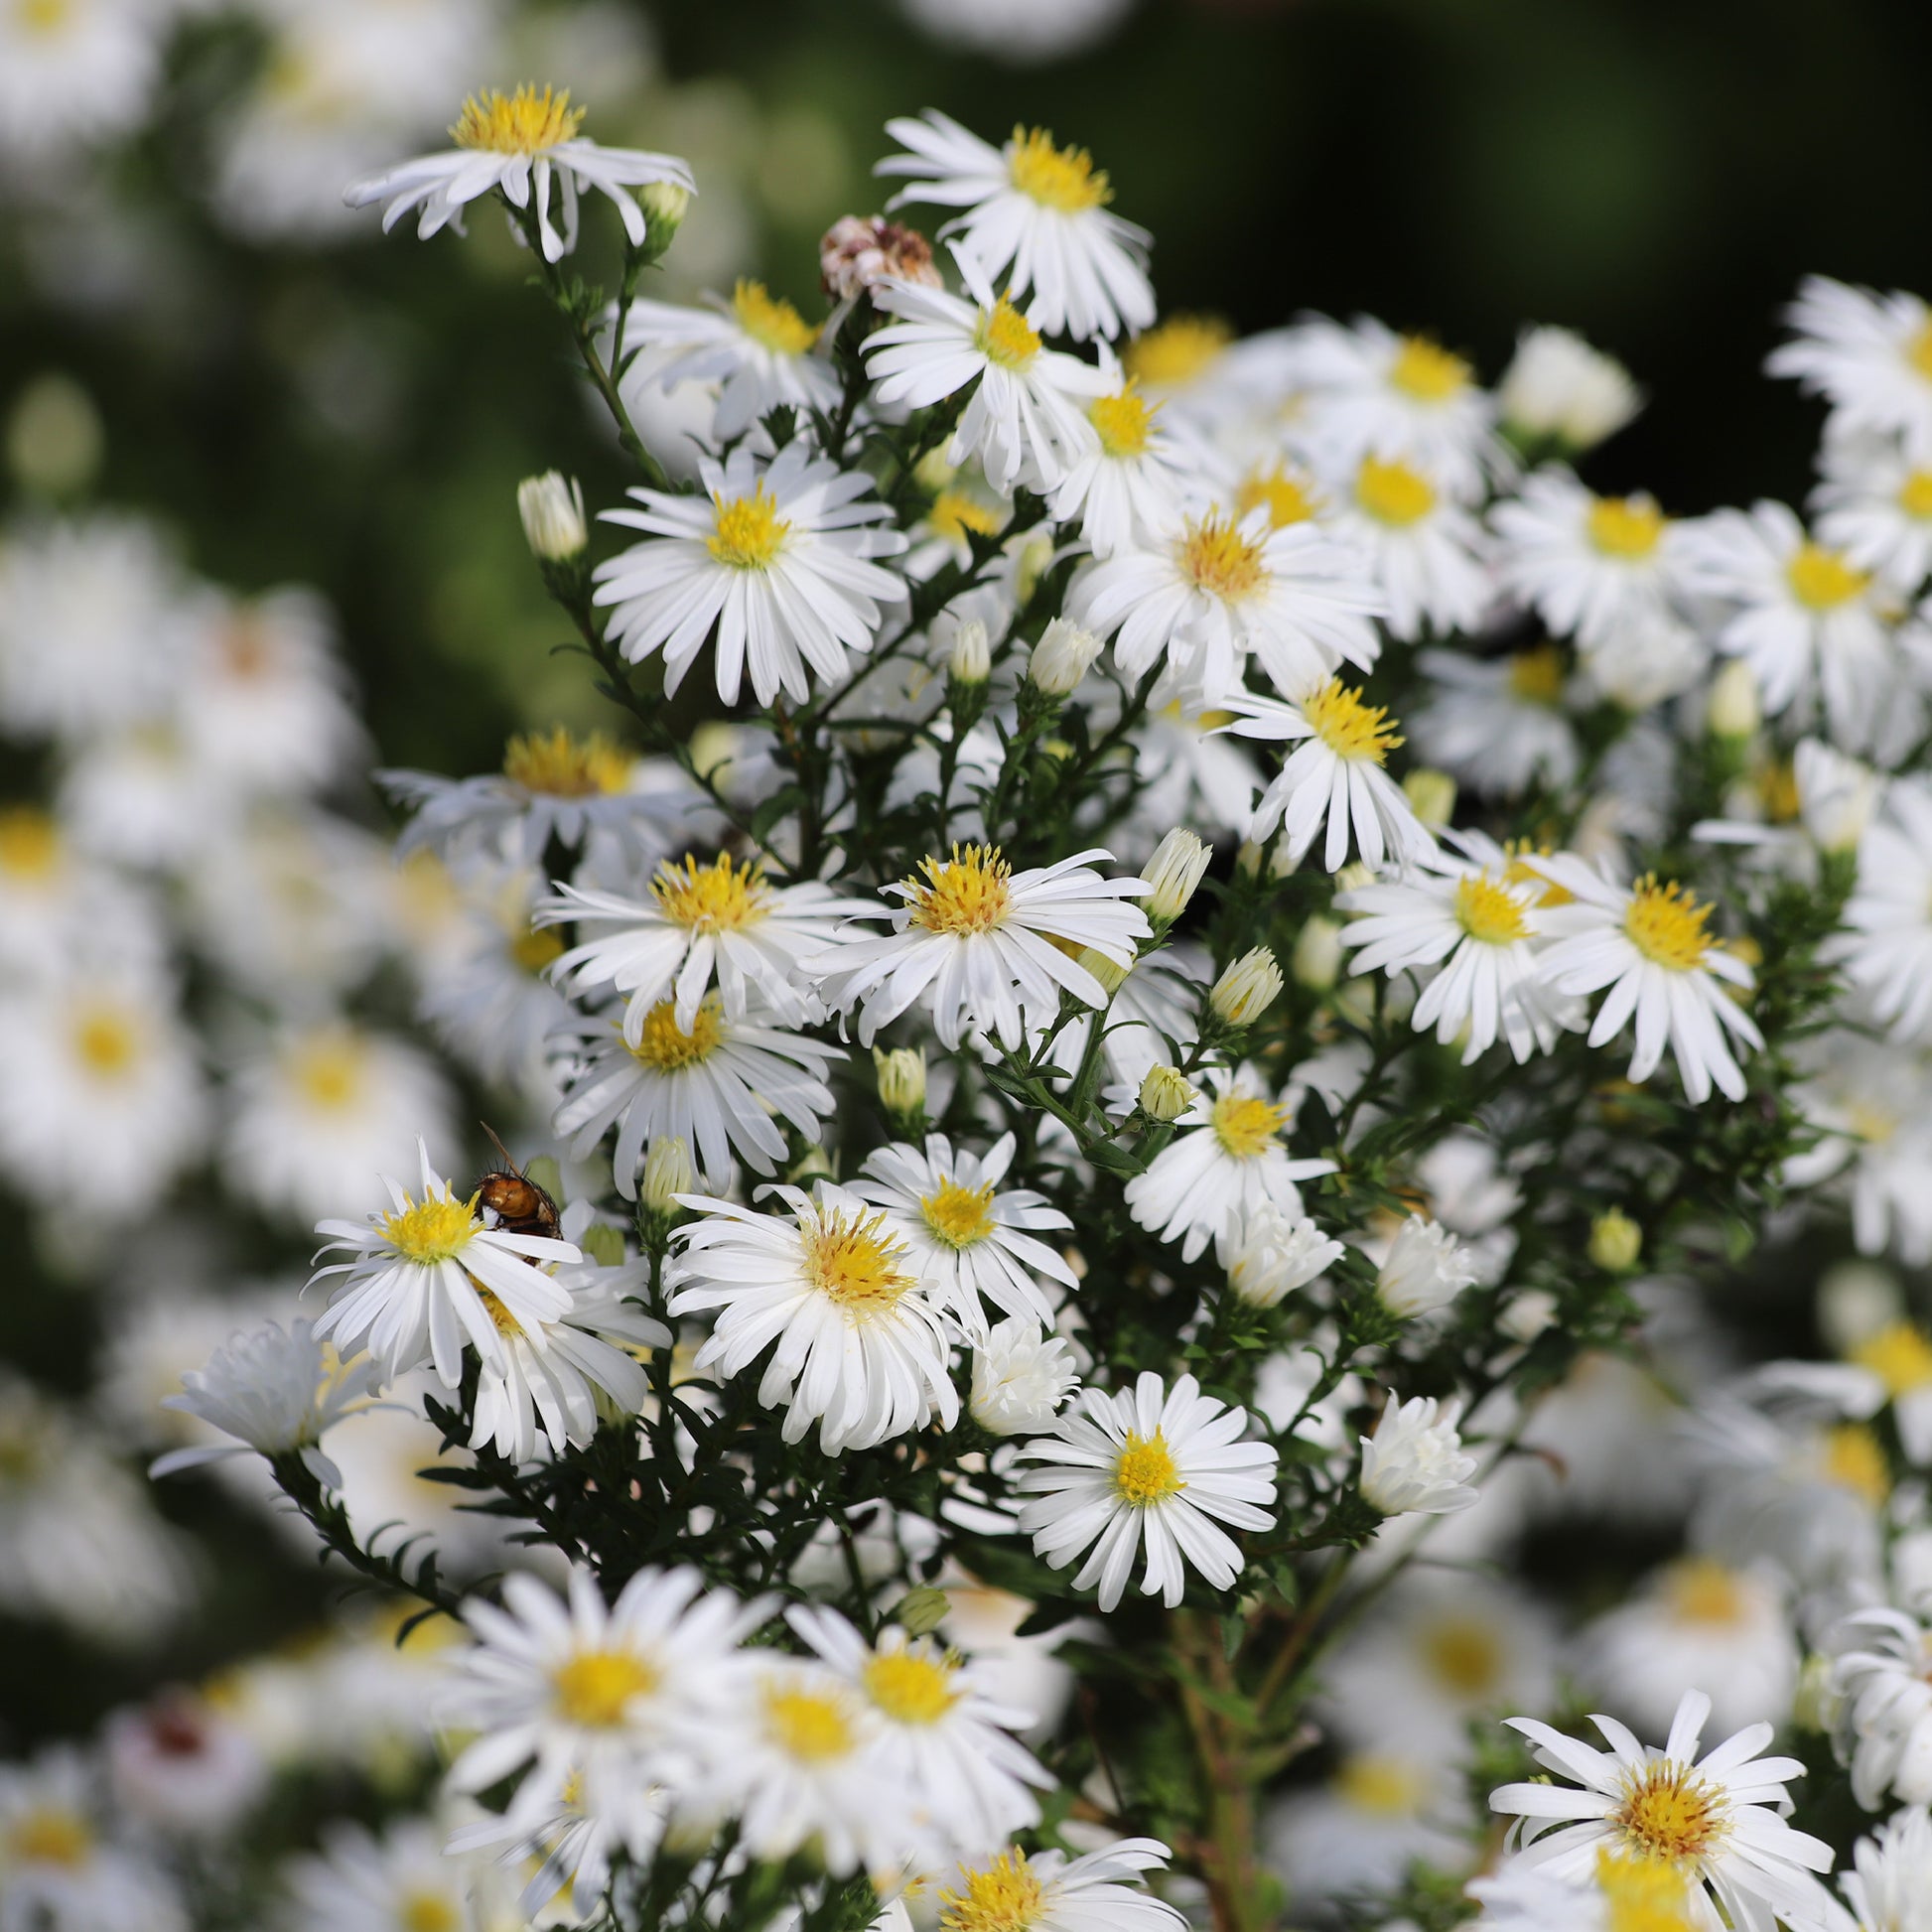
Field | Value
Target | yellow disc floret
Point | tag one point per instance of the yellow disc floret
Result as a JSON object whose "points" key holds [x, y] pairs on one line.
{"points": [[1177, 351], [1350, 728], [1003, 335], [106, 1041], [1145, 1472], [1701, 1591], [1065, 178], [595, 1688], [911, 1686], [854, 1262], [30, 843], [968, 893], [1464, 1656], [1124, 423], [1537, 674], [1630, 527], [526, 122], [1393, 492], [1900, 1356], [718, 898], [1245, 1124], [1669, 1812], [808, 1725], [1290, 498], [1219, 559], [561, 766], [1488, 912], [750, 532], [1667, 924], [1915, 494], [435, 1228], [953, 513], [428, 1911], [1003, 1897], [534, 947], [1384, 1787], [1428, 371], [1918, 350], [50, 1834], [1642, 1895], [769, 320], [327, 1069], [959, 1216], [1854, 1459], [666, 1046], [1821, 579]]}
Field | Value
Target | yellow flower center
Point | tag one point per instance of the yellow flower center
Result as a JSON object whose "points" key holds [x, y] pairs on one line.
{"points": [[561, 766], [1145, 1472], [1900, 1356], [1057, 178], [1005, 1898], [326, 1070], [664, 1046], [428, 1911], [1643, 1894], [1853, 1461], [912, 1687], [953, 513], [1005, 337], [43, 16], [1669, 1812], [1177, 351], [1777, 790], [1821, 579], [595, 1688], [1915, 494], [1219, 559], [718, 898], [809, 1726], [433, 1229], [966, 893], [1245, 1124], [1667, 924], [1488, 912], [1350, 728], [506, 1323], [1872, 1124], [959, 1216], [769, 320], [106, 1041], [535, 948], [750, 532], [1123, 421], [1384, 1787], [1290, 500], [526, 122], [1625, 526], [1393, 492], [1699, 1590], [30, 843], [1428, 371], [1537, 674], [1464, 1656], [1918, 352], [51, 1834], [854, 1262]]}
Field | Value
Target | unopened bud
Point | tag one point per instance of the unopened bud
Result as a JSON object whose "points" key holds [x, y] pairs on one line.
{"points": [[1559, 388], [1526, 1315], [901, 1080], [1247, 988], [1175, 870], [813, 1165], [1061, 657], [1109, 972], [1353, 877], [1733, 710], [1616, 1242], [1167, 1093], [1036, 553], [602, 1243], [971, 659], [667, 1173], [666, 205], [1315, 961], [921, 1612], [552, 509], [1430, 795]]}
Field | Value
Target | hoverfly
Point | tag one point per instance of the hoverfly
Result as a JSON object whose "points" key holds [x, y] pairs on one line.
{"points": [[520, 1204]]}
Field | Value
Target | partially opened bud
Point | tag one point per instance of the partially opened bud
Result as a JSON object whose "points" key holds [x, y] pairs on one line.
{"points": [[665, 206], [1175, 870], [901, 1079], [667, 1173], [1249, 987], [1430, 795], [1315, 961], [1166, 1093], [1733, 711], [971, 659], [1109, 972], [1616, 1242], [552, 509], [1061, 657]]}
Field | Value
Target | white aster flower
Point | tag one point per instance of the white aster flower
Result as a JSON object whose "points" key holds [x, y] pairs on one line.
{"points": [[1890, 1890], [1020, 1378], [1874, 502], [431, 1273], [1146, 1471], [1621, 1890], [966, 1238], [971, 943], [1225, 1162], [63, 1868], [714, 1085], [1425, 552], [1870, 356], [1413, 1463], [1131, 484], [1591, 566], [1872, 1104], [721, 923], [518, 144], [60, 910], [1497, 724], [404, 1878], [1886, 946], [1045, 1891], [1426, 1268], [275, 1392], [1332, 777], [1027, 421], [76, 74], [1036, 211], [1716, 1819], [1885, 1723], [1209, 592], [774, 558], [1649, 944], [179, 1763], [1558, 386], [860, 1348], [1272, 1253]]}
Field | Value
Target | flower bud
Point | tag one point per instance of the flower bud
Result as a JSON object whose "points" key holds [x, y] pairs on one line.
{"points": [[920, 1611], [1175, 870], [1111, 974], [665, 206], [1354, 875], [602, 1243], [1274, 1255], [667, 1173], [1020, 1377], [813, 1165], [1616, 1242], [1427, 1269], [1528, 1314], [1415, 1461], [1558, 387], [901, 1080], [971, 659], [552, 509], [1167, 1093], [1061, 657], [1856, 1301], [1733, 710], [1836, 795], [53, 437], [1315, 961], [1430, 795], [1247, 988]]}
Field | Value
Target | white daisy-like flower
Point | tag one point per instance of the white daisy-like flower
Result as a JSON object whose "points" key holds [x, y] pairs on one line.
{"points": [[721, 923], [1424, 1269], [1208, 593], [1717, 1817], [1273, 1254], [715, 1085], [943, 1736], [275, 1392], [861, 1346], [432, 1273], [1591, 566], [774, 558], [1885, 948], [757, 349], [1415, 1463], [1151, 1471], [1558, 386], [77, 73], [1132, 483], [1467, 925], [1332, 777], [1885, 1720], [404, 1878], [1027, 421], [1890, 1890], [1871, 1106], [64, 1868], [1874, 502], [1622, 1890], [1803, 616], [968, 1239], [1425, 552], [974, 943], [60, 910], [1020, 1378], [1045, 1891], [1225, 1162], [1037, 212], [519, 144], [1649, 943], [1497, 724], [1868, 354]]}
